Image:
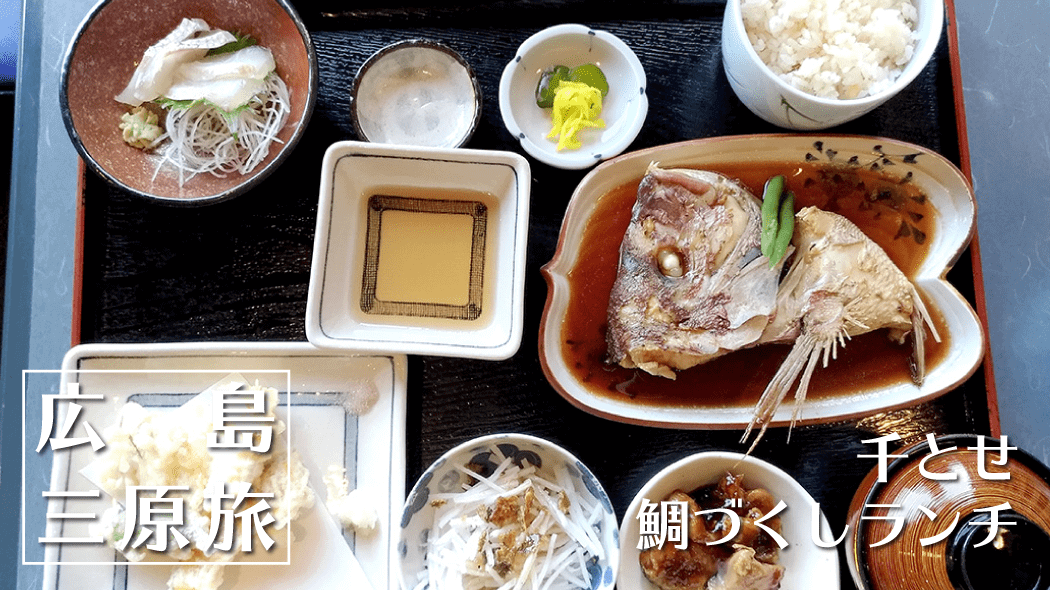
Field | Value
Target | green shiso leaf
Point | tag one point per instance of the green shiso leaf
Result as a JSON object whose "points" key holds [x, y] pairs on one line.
{"points": [[241, 42], [175, 105], [168, 103]]}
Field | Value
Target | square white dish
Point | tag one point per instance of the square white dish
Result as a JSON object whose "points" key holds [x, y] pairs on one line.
{"points": [[361, 184], [369, 444]]}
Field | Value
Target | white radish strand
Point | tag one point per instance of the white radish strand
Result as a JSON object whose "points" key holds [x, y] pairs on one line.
{"points": [[553, 550], [205, 139]]}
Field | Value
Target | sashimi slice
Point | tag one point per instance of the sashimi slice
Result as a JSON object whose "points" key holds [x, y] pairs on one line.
{"points": [[224, 94], [226, 81], [161, 60], [250, 62]]}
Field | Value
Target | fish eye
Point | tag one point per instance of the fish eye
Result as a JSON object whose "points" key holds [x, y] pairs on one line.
{"points": [[670, 262]]}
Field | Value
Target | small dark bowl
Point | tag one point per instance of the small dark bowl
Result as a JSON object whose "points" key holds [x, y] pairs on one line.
{"points": [[104, 53]]}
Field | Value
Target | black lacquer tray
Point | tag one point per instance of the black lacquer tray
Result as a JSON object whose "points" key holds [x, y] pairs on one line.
{"points": [[239, 270]]}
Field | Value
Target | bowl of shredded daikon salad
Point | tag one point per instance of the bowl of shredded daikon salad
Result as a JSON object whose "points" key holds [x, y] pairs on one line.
{"points": [[188, 103], [508, 511]]}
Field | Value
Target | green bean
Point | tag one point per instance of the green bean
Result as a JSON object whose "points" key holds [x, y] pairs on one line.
{"points": [[770, 207], [786, 229]]}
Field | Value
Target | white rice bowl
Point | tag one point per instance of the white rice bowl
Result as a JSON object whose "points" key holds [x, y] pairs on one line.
{"points": [[838, 49]]}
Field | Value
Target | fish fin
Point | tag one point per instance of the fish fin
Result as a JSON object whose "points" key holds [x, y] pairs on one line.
{"points": [[920, 319], [820, 348], [926, 318], [804, 354]]}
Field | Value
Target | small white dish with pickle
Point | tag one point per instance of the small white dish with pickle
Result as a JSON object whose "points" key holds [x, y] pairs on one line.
{"points": [[623, 108]]}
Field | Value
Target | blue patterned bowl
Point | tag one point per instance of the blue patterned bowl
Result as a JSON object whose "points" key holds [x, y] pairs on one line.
{"points": [[451, 473]]}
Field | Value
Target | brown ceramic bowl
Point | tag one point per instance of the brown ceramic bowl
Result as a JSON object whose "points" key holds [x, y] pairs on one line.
{"points": [[104, 53]]}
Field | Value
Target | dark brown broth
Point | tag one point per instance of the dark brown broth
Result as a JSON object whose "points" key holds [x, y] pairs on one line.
{"points": [[894, 213]]}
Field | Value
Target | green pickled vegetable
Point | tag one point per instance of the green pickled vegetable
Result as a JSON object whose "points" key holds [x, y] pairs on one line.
{"points": [[771, 198], [548, 85], [785, 230], [588, 74], [592, 76]]}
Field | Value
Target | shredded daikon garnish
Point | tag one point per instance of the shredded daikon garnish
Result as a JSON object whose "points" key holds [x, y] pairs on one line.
{"points": [[206, 139], [516, 529]]}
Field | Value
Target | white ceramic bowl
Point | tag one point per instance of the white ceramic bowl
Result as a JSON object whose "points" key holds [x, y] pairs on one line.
{"points": [[947, 191], [447, 475], [623, 109], [780, 103], [416, 92], [419, 251], [806, 565]]}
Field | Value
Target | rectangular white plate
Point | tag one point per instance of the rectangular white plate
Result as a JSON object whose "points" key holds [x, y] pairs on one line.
{"points": [[371, 446]]}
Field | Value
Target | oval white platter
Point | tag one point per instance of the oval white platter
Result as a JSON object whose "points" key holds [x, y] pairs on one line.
{"points": [[943, 184]]}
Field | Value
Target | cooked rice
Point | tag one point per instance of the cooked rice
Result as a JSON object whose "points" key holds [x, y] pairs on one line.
{"points": [[833, 48]]}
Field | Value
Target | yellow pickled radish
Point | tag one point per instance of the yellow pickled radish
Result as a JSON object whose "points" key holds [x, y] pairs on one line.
{"points": [[576, 106]]}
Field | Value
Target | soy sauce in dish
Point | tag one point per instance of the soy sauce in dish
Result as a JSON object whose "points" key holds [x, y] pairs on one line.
{"points": [[892, 211]]}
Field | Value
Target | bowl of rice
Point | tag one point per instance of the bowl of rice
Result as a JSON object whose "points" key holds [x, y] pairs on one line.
{"points": [[188, 103], [508, 511], [814, 64]]}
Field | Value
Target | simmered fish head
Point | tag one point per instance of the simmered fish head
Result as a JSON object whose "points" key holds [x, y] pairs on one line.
{"points": [[840, 284], [691, 283]]}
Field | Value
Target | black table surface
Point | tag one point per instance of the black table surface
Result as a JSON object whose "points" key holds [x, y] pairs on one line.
{"points": [[239, 270]]}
